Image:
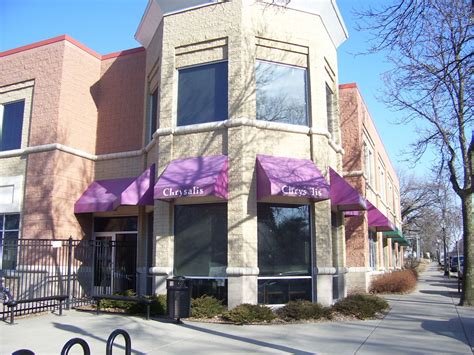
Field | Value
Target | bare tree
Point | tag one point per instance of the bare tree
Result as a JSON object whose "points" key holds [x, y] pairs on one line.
{"points": [[430, 43]]}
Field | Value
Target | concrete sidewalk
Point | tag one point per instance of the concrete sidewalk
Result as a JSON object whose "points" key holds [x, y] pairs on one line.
{"points": [[424, 322]]}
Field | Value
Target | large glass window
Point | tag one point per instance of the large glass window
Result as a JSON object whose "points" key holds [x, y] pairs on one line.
{"points": [[11, 125], [200, 240], [9, 232], [281, 93], [202, 94], [284, 253]]}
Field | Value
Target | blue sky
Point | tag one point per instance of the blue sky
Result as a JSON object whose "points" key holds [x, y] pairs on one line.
{"points": [[108, 26]]}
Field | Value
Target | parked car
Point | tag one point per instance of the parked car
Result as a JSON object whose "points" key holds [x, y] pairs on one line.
{"points": [[454, 263]]}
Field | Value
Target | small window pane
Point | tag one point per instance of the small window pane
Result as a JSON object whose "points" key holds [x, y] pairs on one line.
{"points": [[284, 240], [330, 109], [281, 94], [153, 112], [216, 288], [10, 247], [281, 291], [116, 224], [12, 221], [202, 94], [12, 125], [200, 240]]}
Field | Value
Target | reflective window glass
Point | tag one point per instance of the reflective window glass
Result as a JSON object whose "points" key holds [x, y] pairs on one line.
{"points": [[11, 126], [284, 240], [116, 224], [281, 93], [202, 94], [200, 240]]}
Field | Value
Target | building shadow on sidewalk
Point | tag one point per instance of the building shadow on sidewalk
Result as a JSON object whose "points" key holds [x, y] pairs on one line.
{"points": [[77, 331], [452, 329], [447, 293], [263, 344]]}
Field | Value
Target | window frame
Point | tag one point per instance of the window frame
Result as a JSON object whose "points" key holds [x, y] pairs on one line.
{"points": [[224, 206], [152, 114], [2, 122], [306, 92], [178, 95], [330, 109], [312, 254], [4, 230]]}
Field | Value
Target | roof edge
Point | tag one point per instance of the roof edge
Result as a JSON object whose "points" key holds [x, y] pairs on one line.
{"points": [[71, 40]]}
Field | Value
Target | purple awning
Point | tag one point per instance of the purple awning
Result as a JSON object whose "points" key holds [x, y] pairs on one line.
{"points": [[343, 196], [378, 220], [107, 195], [278, 176], [193, 177]]}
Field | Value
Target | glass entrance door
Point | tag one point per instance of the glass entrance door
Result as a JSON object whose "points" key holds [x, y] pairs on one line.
{"points": [[115, 260]]}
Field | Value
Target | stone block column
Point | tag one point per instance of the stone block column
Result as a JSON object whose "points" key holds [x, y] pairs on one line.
{"points": [[324, 269], [242, 270]]}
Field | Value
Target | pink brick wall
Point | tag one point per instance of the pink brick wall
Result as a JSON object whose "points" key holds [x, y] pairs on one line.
{"points": [[55, 180], [120, 101], [44, 65], [78, 112]]}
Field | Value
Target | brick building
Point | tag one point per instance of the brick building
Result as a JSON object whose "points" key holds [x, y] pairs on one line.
{"points": [[214, 151], [373, 239]]}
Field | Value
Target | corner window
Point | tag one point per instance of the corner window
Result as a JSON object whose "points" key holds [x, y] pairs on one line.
{"points": [[284, 253], [202, 94], [11, 125], [9, 232], [152, 115], [281, 93], [200, 240]]}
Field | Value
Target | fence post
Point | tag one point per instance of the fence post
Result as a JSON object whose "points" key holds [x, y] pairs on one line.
{"points": [[69, 270]]}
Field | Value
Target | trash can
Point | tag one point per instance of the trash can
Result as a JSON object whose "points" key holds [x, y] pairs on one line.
{"points": [[178, 292]]}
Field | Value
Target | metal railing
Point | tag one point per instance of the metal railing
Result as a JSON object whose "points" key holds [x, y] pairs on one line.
{"points": [[41, 268]]}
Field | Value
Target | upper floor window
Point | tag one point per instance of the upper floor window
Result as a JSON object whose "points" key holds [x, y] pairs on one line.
{"points": [[390, 194], [202, 94], [152, 115], [281, 93], [382, 183], [11, 125], [330, 109], [369, 164]]}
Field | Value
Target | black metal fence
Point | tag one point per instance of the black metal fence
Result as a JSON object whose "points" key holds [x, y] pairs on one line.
{"points": [[39, 268]]}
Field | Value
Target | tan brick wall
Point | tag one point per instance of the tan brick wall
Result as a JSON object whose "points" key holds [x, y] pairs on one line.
{"points": [[119, 168]]}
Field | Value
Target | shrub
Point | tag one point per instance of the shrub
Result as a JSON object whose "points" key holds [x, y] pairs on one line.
{"points": [[158, 306], [362, 306], [249, 313], [299, 310], [206, 307], [395, 282]]}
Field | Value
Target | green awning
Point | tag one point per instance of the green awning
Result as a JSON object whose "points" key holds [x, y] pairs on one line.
{"points": [[397, 236]]}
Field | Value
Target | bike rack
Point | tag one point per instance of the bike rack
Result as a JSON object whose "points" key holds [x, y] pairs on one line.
{"points": [[85, 347], [113, 335], [74, 341]]}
